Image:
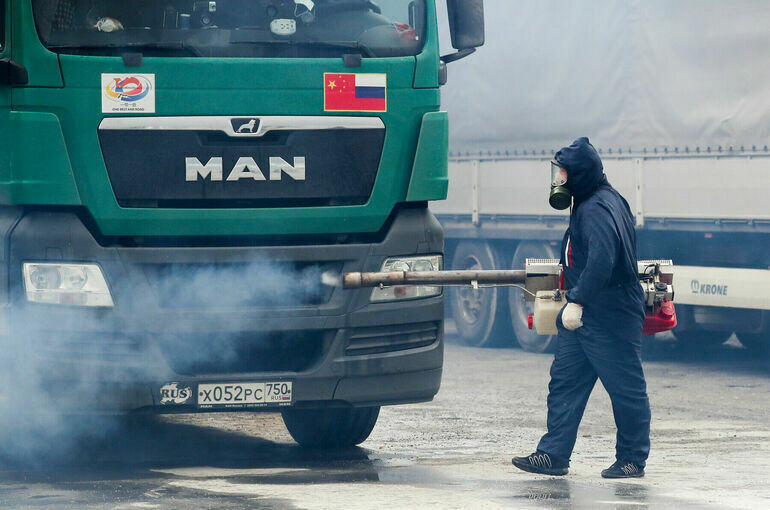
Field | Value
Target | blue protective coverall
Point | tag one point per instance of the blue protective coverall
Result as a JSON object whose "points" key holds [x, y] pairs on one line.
{"points": [[598, 255]]}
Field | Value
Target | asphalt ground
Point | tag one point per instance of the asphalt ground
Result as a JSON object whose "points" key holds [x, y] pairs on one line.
{"points": [[710, 448]]}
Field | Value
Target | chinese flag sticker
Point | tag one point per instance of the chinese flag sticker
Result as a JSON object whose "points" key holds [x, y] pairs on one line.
{"points": [[351, 92]]}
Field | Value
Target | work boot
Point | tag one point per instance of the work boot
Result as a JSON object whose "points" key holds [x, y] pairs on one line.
{"points": [[623, 469], [543, 463]]}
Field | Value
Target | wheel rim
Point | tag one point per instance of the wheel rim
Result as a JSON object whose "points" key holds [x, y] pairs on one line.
{"points": [[471, 302], [529, 342], [520, 308], [525, 309]]}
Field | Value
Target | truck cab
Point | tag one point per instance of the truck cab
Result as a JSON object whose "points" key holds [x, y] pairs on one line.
{"points": [[183, 183]]}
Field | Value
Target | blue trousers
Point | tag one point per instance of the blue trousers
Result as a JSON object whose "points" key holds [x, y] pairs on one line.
{"points": [[582, 356]]}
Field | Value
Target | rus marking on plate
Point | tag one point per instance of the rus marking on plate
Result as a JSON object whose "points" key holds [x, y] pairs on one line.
{"points": [[175, 393]]}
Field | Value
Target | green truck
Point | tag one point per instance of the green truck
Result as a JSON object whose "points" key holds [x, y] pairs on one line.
{"points": [[182, 184]]}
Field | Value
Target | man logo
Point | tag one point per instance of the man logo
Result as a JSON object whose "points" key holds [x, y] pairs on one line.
{"points": [[245, 126], [244, 168], [695, 286]]}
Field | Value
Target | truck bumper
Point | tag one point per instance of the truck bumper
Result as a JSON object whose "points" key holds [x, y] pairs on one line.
{"points": [[174, 320]]}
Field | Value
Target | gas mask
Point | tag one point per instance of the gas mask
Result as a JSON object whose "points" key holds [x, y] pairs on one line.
{"points": [[560, 197]]}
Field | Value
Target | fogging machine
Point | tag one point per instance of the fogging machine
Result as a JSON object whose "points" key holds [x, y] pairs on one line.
{"points": [[542, 281]]}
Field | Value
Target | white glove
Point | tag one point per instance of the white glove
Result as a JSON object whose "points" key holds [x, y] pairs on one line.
{"points": [[572, 317]]}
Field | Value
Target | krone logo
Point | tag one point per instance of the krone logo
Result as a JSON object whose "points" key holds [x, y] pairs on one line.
{"points": [[708, 289]]}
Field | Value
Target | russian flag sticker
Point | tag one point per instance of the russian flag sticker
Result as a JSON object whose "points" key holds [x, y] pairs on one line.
{"points": [[353, 92]]}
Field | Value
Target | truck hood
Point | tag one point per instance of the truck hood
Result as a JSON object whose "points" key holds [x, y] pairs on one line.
{"points": [[189, 162]]}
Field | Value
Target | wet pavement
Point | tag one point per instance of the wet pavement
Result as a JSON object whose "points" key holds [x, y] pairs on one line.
{"points": [[710, 439]]}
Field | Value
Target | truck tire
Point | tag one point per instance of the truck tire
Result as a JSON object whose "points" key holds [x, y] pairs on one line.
{"points": [[480, 315], [698, 338], [520, 308], [757, 343], [330, 428]]}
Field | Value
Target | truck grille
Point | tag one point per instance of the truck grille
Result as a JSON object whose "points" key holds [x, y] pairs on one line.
{"points": [[241, 162], [95, 347], [258, 285], [243, 353], [379, 339]]}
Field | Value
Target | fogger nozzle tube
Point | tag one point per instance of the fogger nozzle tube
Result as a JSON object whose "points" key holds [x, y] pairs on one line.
{"points": [[400, 278]]}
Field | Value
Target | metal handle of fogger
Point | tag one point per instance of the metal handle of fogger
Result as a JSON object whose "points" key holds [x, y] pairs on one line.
{"points": [[435, 278], [542, 283]]}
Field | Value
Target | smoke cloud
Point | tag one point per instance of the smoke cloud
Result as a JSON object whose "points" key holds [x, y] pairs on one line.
{"points": [[50, 384]]}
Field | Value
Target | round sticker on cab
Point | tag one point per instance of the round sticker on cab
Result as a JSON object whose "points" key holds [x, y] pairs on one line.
{"points": [[175, 393]]}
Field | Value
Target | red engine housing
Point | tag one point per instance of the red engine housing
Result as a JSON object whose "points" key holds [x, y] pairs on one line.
{"points": [[663, 320]]}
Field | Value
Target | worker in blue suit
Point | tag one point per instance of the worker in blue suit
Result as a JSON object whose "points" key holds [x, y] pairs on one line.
{"points": [[600, 328]]}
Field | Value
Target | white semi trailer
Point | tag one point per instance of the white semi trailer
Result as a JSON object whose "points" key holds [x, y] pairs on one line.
{"points": [[675, 97]]}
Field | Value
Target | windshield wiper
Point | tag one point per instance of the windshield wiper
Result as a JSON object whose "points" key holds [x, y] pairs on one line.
{"points": [[354, 45], [170, 45]]}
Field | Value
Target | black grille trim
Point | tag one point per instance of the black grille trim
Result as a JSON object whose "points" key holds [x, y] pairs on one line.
{"points": [[235, 284], [245, 353], [400, 337], [148, 168], [98, 348]]}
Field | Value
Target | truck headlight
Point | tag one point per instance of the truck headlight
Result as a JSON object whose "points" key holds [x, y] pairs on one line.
{"points": [[423, 263], [66, 284]]}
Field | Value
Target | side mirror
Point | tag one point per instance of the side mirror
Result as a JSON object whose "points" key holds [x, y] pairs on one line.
{"points": [[466, 23], [12, 73]]}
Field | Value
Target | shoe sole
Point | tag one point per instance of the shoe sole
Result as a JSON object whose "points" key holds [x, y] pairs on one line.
{"points": [[637, 475], [529, 468]]}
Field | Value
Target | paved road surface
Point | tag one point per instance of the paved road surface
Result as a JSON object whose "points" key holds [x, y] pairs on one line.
{"points": [[710, 436]]}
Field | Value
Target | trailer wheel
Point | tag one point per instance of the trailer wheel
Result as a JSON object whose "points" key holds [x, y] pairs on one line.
{"points": [[330, 428], [479, 314], [758, 343], [695, 338], [520, 308]]}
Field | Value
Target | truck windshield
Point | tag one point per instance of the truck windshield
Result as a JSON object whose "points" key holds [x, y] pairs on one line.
{"points": [[232, 28]]}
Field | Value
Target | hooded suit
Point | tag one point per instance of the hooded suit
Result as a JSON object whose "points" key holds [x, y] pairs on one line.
{"points": [[598, 255]]}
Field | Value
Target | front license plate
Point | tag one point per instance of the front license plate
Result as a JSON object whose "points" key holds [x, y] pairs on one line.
{"points": [[248, 394]]}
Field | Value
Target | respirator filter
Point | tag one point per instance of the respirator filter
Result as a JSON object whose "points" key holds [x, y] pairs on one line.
{"points": [[560, 197]]}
